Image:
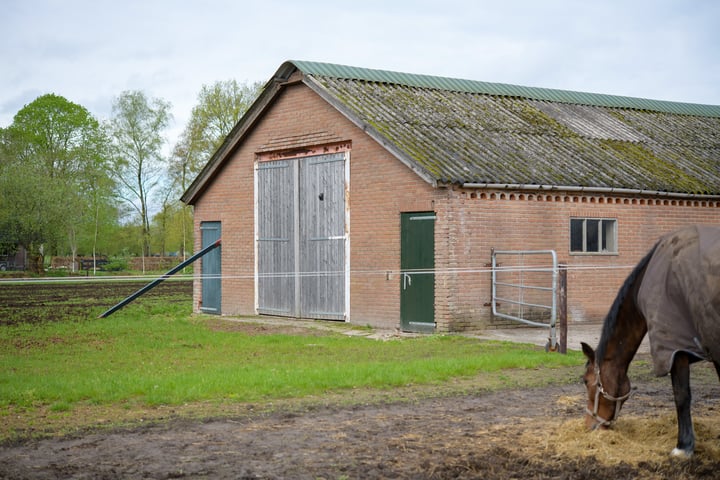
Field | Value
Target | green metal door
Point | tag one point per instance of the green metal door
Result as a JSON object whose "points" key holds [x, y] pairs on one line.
{"points": [[211, 281], [417, 280]]}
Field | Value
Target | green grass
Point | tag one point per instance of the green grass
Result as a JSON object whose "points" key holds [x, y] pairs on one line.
{"points": [[159, 354]]}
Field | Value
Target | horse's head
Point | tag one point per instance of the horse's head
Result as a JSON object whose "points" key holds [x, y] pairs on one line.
{"points": [[604, 399]]}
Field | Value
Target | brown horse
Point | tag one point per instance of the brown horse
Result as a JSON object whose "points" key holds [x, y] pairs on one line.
{"points": [[673, 295]]}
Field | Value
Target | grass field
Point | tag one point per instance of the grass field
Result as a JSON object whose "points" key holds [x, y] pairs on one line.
{"points": [[156, 354]]}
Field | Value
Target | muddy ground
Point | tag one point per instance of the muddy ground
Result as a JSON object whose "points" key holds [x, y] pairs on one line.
{"points": [[418, 433], [499, 435], [76, 297]]}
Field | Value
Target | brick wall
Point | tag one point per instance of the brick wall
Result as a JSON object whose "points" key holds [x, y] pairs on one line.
{"points": [[380, 188], [469, 223], [481, 220]]}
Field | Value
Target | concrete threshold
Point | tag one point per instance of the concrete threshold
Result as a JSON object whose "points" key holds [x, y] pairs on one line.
{"points": [[581, 332]]}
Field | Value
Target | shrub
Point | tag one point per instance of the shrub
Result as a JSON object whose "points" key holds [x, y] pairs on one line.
{"points": [[116, 264]]}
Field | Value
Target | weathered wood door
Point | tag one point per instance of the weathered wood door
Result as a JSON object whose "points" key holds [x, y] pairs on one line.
{"points": [[417, 281], [301, 237], [211, 269], [322, 236], [275, 227]]}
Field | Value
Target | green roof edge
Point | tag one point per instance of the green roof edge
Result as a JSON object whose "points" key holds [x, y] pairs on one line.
{"points": [[503, 89]]}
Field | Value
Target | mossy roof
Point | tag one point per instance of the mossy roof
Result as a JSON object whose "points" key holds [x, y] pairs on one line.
{"points": [[460, 131], [502, 89], [453, 131]]}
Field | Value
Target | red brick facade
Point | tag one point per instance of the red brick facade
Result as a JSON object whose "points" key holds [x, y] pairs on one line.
{"points": [[475, 221], [469, 223]]}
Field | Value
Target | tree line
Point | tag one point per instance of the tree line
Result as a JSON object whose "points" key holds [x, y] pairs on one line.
{"points": [[71, 184]]}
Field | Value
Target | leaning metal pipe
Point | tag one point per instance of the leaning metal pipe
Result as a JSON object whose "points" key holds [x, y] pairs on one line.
{"points": [[157, 281]]}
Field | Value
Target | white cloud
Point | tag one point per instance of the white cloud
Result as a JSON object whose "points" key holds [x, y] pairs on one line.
{"points": [[91, 51]]}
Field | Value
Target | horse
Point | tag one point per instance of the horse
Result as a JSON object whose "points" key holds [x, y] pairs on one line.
{"points": [[673, 295]]}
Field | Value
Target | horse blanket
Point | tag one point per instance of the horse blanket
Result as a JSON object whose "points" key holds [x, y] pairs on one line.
{"points": [[680, 296]]}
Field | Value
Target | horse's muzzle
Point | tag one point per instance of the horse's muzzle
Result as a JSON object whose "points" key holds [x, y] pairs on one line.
{"points": [[592, 423]]}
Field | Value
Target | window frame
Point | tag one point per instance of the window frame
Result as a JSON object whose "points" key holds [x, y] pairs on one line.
{"points": [[602, 236]]}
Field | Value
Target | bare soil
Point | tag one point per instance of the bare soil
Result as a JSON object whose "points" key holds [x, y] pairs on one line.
{"points": [[498, 435], [419, 433], [59, 300]]}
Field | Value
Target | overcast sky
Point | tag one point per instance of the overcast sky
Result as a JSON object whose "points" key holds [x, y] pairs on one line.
{"points": [[89, 51]]}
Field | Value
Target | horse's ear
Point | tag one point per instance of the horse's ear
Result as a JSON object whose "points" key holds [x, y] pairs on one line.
{"points": [[588, 351]]}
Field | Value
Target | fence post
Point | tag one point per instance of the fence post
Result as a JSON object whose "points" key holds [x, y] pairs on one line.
{"points": [[562, 307]]}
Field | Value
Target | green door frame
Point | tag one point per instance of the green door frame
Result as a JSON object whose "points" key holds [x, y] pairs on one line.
{"points": [[417, 278]]}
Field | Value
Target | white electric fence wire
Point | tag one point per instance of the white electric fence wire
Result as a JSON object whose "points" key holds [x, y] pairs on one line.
{"points": [[388, 273]]}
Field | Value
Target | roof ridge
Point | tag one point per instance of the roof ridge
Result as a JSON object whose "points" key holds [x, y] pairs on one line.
{"points": [[322, 69]]}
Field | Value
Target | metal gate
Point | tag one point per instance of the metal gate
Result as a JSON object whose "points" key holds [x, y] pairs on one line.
{"points": [[526, 292], [301, 240]]}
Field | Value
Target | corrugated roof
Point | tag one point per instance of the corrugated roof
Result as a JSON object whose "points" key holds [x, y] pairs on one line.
{"points": [[457, 131], [450, 134], [502, 89]]}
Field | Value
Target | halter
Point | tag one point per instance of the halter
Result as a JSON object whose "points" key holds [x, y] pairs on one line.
{"points": [[599, 390]]}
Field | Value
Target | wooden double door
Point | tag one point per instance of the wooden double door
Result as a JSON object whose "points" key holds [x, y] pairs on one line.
{"points": [[301, 237]]}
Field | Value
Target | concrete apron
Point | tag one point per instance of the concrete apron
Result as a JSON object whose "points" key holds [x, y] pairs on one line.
{"points": [[583, 332]]}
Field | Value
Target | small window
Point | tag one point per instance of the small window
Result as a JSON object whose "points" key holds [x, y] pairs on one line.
{"points": [[593, 235]]}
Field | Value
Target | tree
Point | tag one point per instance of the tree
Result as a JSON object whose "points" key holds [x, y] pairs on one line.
{"points": [[220, 107], [167, 235], [137, 126], [53, 152], [30, 211]]}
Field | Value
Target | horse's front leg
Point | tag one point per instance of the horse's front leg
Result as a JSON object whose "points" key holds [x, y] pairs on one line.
{"points": [[681, 391]]}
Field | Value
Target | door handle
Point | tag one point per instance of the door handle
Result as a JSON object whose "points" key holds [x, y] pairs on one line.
{"points": [[407, 280]]}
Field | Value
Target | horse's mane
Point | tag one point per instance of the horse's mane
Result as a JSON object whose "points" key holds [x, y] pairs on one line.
{"points": [[612, 317]]}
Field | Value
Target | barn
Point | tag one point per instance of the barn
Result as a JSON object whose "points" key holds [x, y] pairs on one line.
{"points": [[379, 198]]}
